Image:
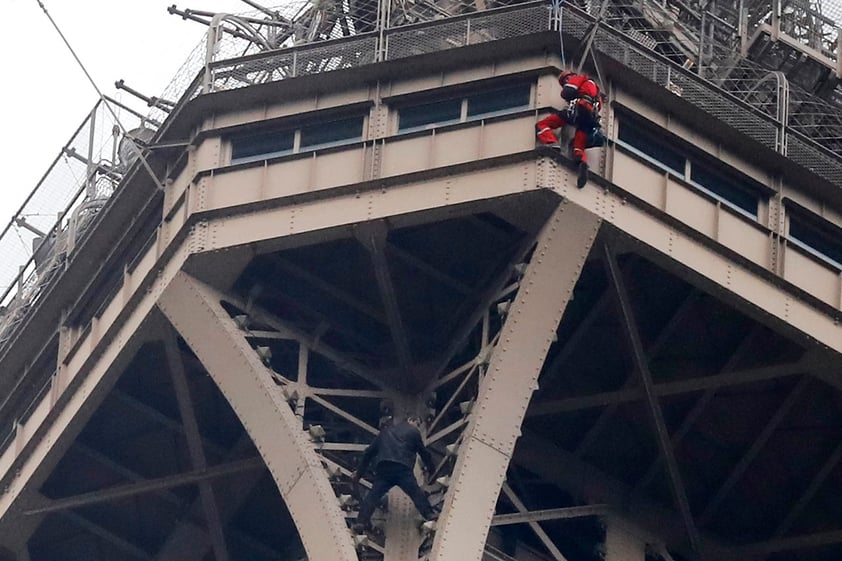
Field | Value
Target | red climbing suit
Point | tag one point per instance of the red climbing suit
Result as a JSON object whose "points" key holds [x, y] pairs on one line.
{"points": [[583, 96]]}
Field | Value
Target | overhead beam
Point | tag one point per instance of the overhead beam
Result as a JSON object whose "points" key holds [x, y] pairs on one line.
{"points": [[745, 461], [693, 415], [314, 345], [372, 235], [586, 482], [427, 269], [642, 366], [324, 286], [477, 309], [804, 365], [107, 535], [194, 309], [815, 484], [194, 444], [564, 513], [148, 486], [661, 339], [808, 541], [533, 524], [514, 366], [190, 541]]}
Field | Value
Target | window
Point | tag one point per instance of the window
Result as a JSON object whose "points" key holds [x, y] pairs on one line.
{"points": [[439, 113], [250, 147], [741, 195], [817, 236], [486, 103], [723, 188], [261, 145], [331, 133], [499, 101], [646, 144]]}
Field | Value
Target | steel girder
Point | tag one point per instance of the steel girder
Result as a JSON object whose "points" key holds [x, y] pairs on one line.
{"points": [[515, 364], [195, 311]]}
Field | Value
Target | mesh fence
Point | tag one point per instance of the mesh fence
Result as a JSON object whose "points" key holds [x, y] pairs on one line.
{"points": [[34, 244], [657, 41], [689, 47], [503, 24]]}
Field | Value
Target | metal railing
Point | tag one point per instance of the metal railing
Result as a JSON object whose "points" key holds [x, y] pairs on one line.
{"points": [[652, 37], [37, 241], [55, 216]]}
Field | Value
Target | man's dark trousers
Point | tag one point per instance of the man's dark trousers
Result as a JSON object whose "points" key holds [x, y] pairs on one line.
{"points": [[388, 474]]}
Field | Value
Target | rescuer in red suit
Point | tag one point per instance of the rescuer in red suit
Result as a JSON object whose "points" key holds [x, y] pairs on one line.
{"points": [[584, 103]]}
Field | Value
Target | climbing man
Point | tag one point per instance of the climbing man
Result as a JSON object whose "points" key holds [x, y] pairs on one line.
{"points": [[584, 103], [392, 455]]}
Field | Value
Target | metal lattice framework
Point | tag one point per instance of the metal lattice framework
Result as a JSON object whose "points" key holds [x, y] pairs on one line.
{"points": [[747, 51]]}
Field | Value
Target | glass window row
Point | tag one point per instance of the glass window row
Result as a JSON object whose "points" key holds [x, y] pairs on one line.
{"points": [[809, 232]]}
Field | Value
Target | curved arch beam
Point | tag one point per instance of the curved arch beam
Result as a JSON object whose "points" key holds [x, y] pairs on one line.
{"points": [[489, 439], [194, 310]]}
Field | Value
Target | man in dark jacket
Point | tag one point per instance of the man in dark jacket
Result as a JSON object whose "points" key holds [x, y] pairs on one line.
{"points": [[392, 455]]}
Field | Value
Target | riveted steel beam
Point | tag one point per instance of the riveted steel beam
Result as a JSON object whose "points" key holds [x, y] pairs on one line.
{"points": [[642, 366], [555, 553], [748, 457], [194, 444], [148, 486], [581, 479], [809, 363], [564, 513], [693, 256], [516, 362], [195, 311]]}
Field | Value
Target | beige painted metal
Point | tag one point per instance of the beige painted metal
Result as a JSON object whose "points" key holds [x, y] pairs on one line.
{"points": [[402, 520], [345, 208], [692, 251], [504, 394], [621, 544], [195, 311], [87, 373]]}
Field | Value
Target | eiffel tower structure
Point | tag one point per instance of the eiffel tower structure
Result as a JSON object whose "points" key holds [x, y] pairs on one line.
{"points": [[337, 216]]}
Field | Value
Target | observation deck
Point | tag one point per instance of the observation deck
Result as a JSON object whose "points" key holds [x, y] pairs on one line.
{"points": [[350, 221]]}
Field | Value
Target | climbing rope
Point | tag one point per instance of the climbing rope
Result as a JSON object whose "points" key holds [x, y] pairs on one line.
{"points": [[102, 98]]}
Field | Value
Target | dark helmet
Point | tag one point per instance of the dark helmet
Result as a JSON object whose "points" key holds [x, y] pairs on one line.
{"points": [[564, 76]]}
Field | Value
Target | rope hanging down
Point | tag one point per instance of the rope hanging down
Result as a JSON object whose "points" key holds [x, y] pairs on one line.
{"points": [[123, 131], [588, 42], [587, 39]]}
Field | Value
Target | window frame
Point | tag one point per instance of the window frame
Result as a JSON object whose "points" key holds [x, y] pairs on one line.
{"points": [[820, 226], [694, 158], [463, 95], [296, 128]]}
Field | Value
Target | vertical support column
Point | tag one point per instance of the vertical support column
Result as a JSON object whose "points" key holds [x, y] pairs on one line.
{"points": [[839, 52], [742, 28], [402, 535], [516, 362], [195, 311], [214, 36], [195, 446], [620, 543]]}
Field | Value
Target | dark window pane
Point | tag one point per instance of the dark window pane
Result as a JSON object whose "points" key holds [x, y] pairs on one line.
{"points": [[332, 131], [725, 188], [512, 97], [823, 238], [439, 112], [657, 149], [266, 144]]}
